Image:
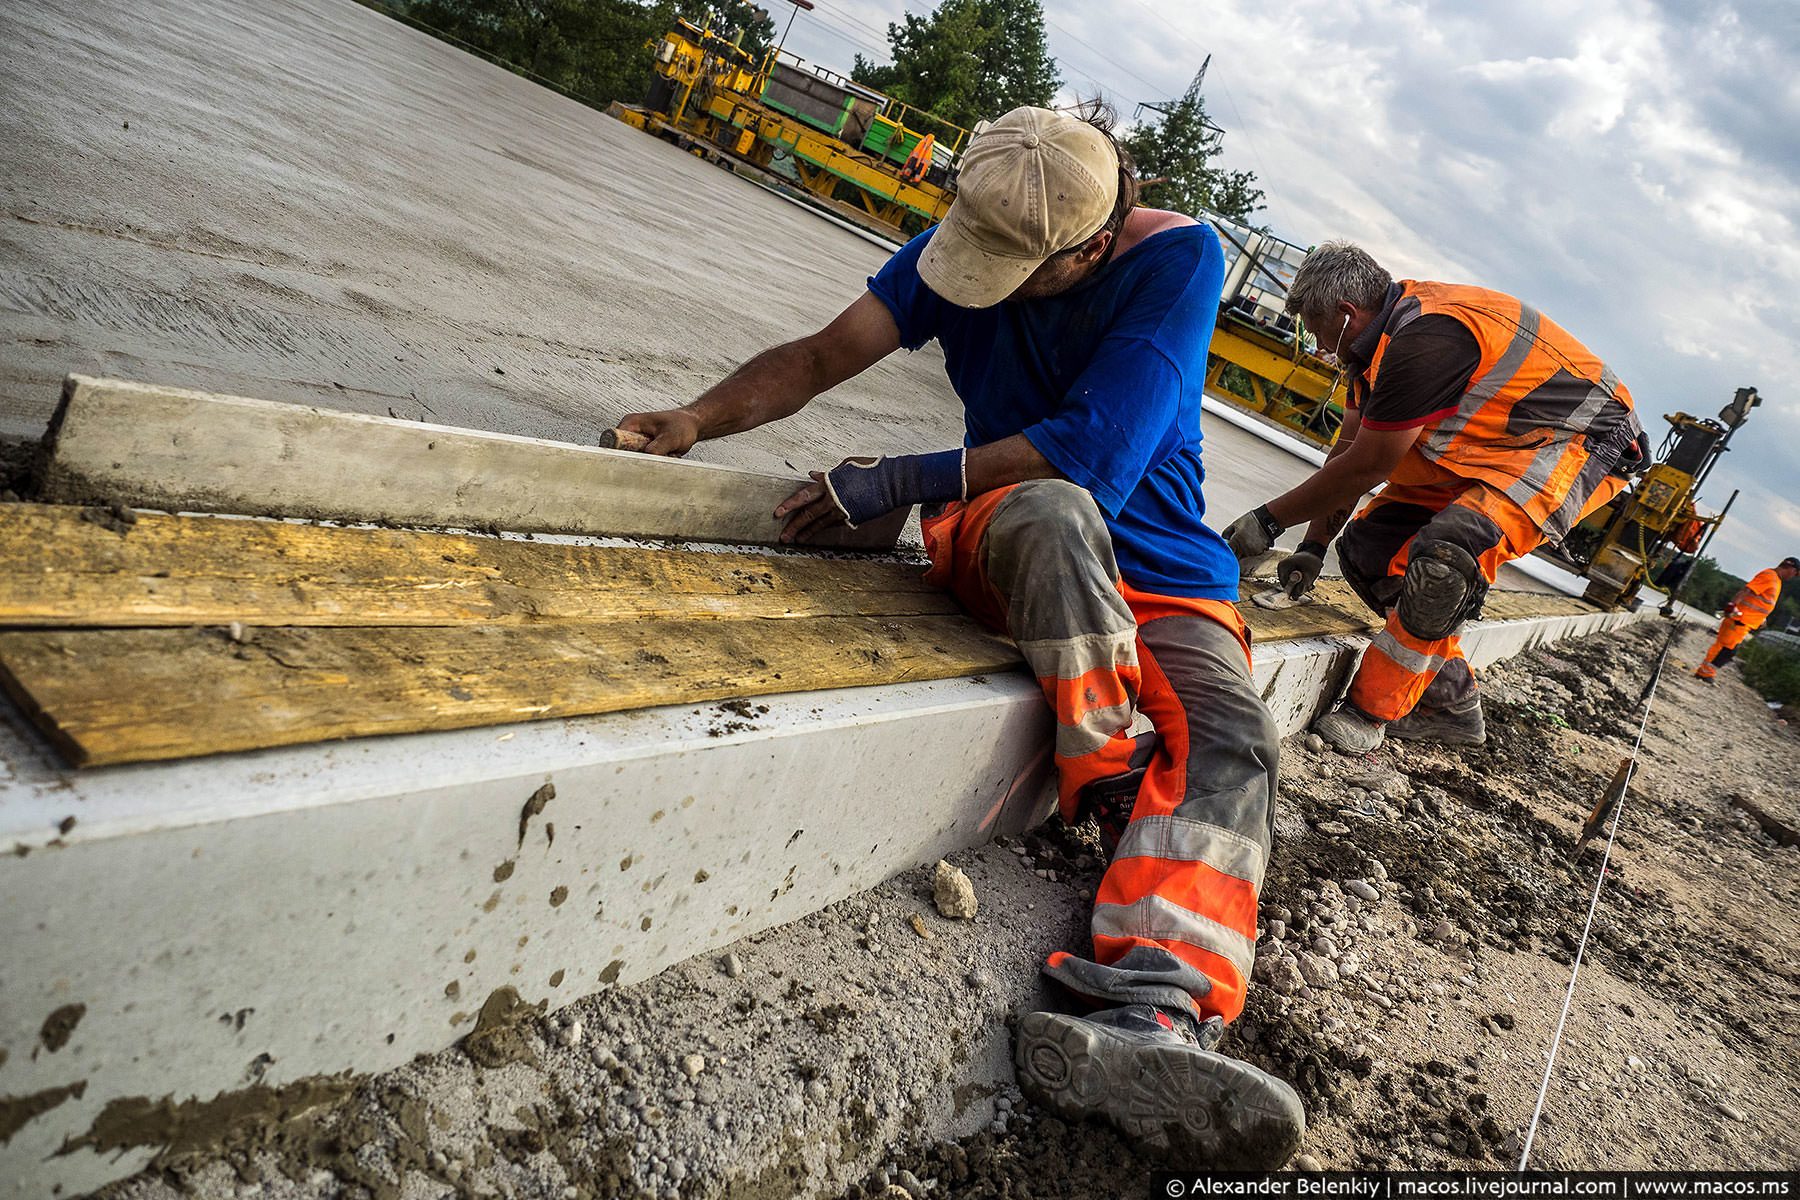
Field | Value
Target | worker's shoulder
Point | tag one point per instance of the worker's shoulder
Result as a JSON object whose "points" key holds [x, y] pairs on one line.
{"points": [[1149, 232]]}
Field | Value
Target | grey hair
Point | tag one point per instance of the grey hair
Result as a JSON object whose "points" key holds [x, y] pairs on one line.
{"points": [[1335, 272]]}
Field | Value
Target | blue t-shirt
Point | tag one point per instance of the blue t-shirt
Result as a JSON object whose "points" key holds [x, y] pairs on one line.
{"points": [[1105, 380]]}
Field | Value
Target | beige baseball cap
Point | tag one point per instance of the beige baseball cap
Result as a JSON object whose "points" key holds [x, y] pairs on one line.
{"points": [[1032, 184]]}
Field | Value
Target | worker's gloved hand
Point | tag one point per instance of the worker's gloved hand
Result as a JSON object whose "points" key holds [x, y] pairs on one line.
{"points": [[1300, 570], [1253, 534], [672, 433], [866, 488], [858, 490]]}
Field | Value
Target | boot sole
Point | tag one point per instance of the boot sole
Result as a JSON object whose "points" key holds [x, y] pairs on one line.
{"points": [[1181, 1107]]}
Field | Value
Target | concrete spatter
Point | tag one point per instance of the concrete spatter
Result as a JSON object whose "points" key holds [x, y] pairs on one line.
{"points": [[17, 1111], [534, 806], [60, 1025], [497, 1039]]}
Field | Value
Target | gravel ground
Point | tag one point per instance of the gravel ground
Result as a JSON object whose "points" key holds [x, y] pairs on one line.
{"points": [[1419, 922]]}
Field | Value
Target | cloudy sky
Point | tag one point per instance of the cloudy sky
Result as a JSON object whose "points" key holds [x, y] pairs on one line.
{"points": [[1630, 167]]}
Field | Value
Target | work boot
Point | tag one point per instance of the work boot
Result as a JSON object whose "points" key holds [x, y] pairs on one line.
{"points": [[1349, 729], [1453, 727], [1153, 1075], [1707, 671]]}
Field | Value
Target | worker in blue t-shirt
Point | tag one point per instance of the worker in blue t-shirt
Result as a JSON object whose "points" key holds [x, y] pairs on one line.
{"points": [[1075, 327]]}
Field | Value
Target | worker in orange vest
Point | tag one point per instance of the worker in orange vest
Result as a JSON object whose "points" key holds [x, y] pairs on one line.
{"points": [[1494, 431], [919, 161], [1746, 612]]}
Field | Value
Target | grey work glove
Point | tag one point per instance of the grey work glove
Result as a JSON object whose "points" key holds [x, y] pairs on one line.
{"points": [[1252, 534], [1300, 570]]}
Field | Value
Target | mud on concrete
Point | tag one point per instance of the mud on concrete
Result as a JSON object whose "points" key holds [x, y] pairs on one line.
{"points": [[1419, 923]]}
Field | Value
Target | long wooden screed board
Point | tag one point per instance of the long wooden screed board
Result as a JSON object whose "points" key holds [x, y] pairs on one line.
{"points": [[121, 643]]}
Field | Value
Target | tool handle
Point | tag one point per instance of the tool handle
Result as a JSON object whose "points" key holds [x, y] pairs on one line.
{"points": [[623, 439]]}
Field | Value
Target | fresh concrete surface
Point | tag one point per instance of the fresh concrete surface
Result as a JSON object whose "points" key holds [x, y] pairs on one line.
{"points": [[317, 204]]}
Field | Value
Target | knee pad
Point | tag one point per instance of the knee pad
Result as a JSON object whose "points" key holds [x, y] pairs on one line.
{"points": [[1442, 588]]}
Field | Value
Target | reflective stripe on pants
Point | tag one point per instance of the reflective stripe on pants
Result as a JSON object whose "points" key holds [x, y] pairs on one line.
{"points": [[1398, 667], [1035, 560]]}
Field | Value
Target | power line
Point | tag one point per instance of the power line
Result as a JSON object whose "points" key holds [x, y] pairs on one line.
{"points": [[1154, 89], [1237, 116]]}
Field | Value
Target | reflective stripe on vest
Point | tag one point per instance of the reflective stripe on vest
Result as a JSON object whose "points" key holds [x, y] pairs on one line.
{"points": [[1544, 423], [1765, 590]]}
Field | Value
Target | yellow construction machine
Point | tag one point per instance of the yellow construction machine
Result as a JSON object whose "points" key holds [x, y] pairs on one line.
{"points": [[827, 135], [1653, 526], [1258, 355]]}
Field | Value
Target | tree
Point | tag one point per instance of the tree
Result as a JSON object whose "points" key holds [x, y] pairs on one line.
{"points": [[969, 61], [730, 19], [1708, 588], [598, 50], [1175, 155]]}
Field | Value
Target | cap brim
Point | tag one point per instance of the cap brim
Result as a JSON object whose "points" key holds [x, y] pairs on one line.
{"points": [[963, 273]]}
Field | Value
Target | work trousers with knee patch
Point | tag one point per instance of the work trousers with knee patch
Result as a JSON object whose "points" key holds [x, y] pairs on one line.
{"points": [[1401, 670], [1035, 561]]}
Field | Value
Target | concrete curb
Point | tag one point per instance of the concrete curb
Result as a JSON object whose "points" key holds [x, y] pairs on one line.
{"points": [[269, 916]]}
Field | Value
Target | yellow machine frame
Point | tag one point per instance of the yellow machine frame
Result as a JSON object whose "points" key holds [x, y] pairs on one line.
{"points": [[1287, 385], [717, 103]]}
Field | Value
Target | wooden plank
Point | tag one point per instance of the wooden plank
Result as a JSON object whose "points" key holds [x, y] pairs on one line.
{"points": [[59, 567], [135, 695], [1339, 612], [155, 447]]}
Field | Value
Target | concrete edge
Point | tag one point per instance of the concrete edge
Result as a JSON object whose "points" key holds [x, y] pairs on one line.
{"points": [[272, 916]]}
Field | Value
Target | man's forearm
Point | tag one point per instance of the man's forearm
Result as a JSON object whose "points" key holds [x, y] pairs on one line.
{"points": [[1009, 460], [1326, 499], [776, 383]]}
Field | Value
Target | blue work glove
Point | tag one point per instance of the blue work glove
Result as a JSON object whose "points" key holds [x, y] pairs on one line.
{"points": [[863, 491]]}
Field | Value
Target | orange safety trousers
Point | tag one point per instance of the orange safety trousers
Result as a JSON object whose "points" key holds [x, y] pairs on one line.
{"points": [[1035, 561], [1399, 667], [1732, 633]]}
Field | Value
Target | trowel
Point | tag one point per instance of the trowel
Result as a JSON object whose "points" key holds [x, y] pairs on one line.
{"points": [[1277, 598]]}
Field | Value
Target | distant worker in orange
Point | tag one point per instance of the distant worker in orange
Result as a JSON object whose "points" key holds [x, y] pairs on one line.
{"points": [[1746, 612]]}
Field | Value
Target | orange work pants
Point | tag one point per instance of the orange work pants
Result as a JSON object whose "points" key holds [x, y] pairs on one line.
{"points": [[1732, 633], [1400, 670], [1179, 899]]}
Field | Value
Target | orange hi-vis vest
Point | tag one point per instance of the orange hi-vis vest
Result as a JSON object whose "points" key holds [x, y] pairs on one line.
{"points": [[1758, 598], [1543, 420]]}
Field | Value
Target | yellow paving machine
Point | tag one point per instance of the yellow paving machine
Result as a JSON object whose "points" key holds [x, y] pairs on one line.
{"points": [[1653, 529], [860, 154], [1258, 356]]}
